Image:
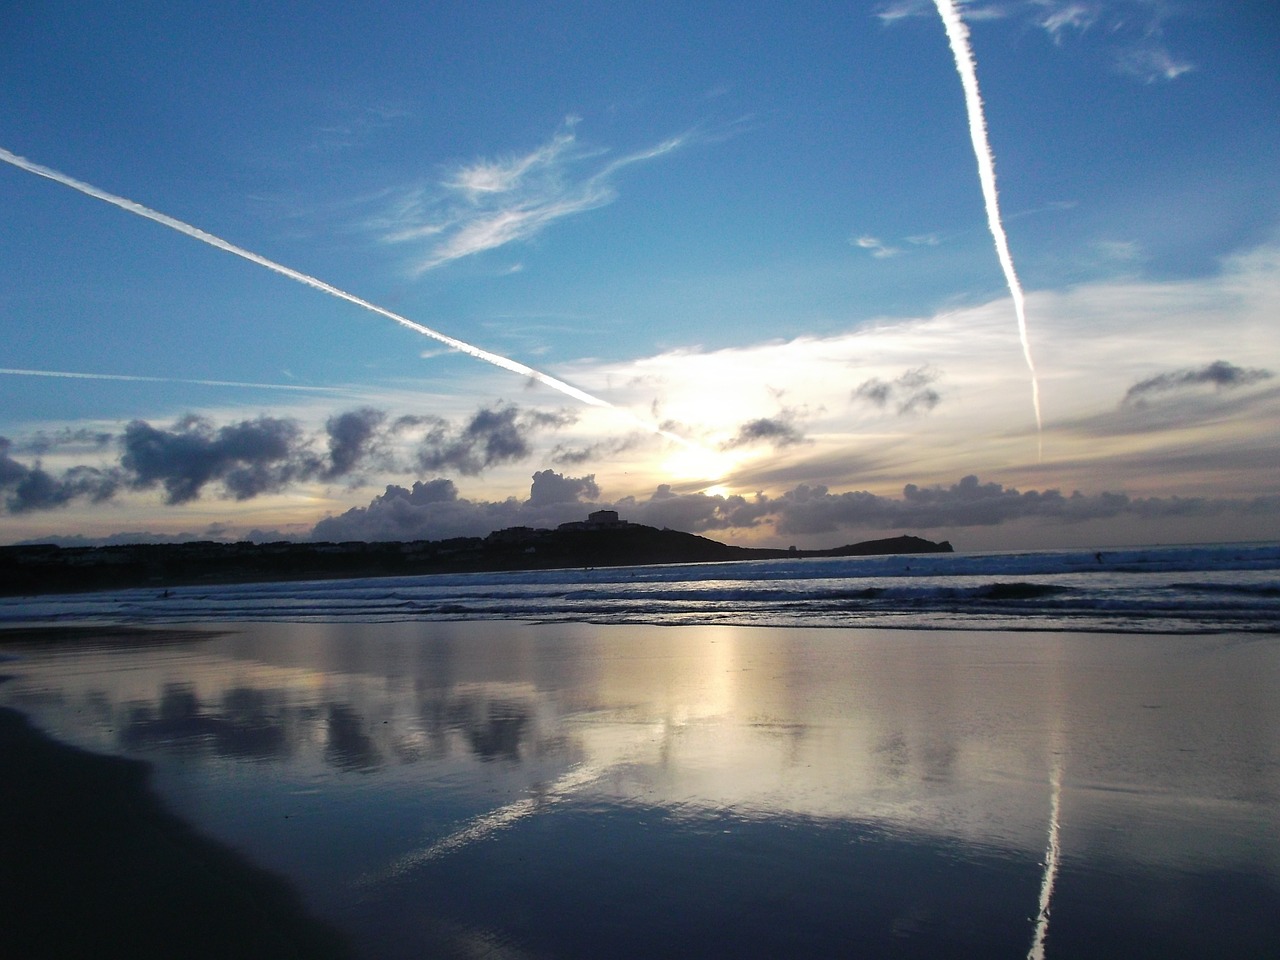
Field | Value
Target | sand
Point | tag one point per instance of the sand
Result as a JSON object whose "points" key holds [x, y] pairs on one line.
{"points": [[575, 790]]}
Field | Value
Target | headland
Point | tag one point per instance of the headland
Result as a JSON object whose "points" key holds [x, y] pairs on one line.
{"points": [[603, 540]]}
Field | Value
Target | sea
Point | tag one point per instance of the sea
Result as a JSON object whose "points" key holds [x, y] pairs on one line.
{"points": [[1041, 754], [1162, 589]]}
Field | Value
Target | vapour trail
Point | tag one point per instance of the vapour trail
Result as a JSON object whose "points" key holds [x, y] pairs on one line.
{"points": [[71, 375], [461, 346], [481, 827], [1051, 855], [958, 37]]}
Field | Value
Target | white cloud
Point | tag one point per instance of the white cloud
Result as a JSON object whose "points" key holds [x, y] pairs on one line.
{"points": [[902, 9], [1131, 29], [1151, 63], [878, 249], [486, 204], [1060, 17]]}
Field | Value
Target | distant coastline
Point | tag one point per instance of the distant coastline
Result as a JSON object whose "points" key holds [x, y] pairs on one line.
{"points": [[602, 540]]}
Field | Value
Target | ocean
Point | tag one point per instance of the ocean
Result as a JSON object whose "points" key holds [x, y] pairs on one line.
{"points": [[1167, 589], [1047, 754]]}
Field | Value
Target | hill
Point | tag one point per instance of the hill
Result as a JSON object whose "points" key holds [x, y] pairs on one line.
{"points": [[45, 568]]}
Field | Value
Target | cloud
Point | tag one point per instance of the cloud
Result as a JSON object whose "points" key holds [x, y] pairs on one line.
{"points": [[550, 487], [351, 437], [1151, 63], [878, 249], [1220, 374], [565, 455], [433, 510], [487, 204], [42, 442], [902, 9], [249, 458], [1132, 29], [1058, 17], [912, 392], [493, 436], [972, 503], [33, 488], [246, 459], [696, 512], [779, 431]]}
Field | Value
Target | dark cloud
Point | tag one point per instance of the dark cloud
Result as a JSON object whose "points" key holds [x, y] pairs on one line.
{"points": [[779, 431], [245, 459], [696, 512], [33, 488], [550, 487], [11, 471], [1220, 374], [815, 510], [491, 437], [432, 510], [249, 458], [910, 393], [42, 442], [807, 510], [351, 436], [573, 457], [439, 490], [40, 490], [971, 503]]}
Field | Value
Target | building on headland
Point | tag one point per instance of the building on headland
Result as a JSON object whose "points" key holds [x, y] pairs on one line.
{"points": [[599, 520]]}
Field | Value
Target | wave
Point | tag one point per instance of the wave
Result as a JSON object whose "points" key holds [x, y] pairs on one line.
{"points": [[1229, 587]]}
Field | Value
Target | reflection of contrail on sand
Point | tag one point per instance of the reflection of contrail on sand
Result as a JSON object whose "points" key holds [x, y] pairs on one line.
{"points": [[127, 378], [1050, 865], [958, 37], [460, 345], [489, 823]]}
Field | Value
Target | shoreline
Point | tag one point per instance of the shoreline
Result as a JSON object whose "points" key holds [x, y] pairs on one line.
{"points": [[40, 634]]}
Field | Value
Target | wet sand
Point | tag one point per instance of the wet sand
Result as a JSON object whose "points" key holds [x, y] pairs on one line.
{"points": [[571, 790], [94, 866], [108, 633]]}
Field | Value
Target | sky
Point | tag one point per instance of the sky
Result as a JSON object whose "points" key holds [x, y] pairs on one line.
{"points": [[281, 271]]}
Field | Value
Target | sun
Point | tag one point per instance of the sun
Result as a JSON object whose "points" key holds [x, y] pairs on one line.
{"points": [[699, 463]]}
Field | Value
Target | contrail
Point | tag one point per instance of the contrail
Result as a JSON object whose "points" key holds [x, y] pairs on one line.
{"points": [[958, 37], [1052, 852], [461, 346], [481, 827], [71, 375]]}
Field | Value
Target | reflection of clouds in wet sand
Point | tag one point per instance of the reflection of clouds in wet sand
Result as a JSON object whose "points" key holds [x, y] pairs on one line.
{"points": [[245, 725], [771, 722], [939, 734]]}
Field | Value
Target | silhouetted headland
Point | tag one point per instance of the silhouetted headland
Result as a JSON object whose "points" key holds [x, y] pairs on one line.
{"points": [[602, 540]]}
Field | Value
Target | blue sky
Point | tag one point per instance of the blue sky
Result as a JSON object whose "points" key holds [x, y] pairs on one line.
{"points": [[755, 230]]}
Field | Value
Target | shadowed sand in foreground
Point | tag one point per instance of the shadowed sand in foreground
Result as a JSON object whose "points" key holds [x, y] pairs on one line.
{"points": [[94, 866]]}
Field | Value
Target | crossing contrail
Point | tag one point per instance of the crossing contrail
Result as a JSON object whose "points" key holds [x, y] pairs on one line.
{"points": [[461, 346], [958, 37], [128, 378]]}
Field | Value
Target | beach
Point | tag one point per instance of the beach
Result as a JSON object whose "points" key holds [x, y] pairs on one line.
{"points": [[505, 788]]}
